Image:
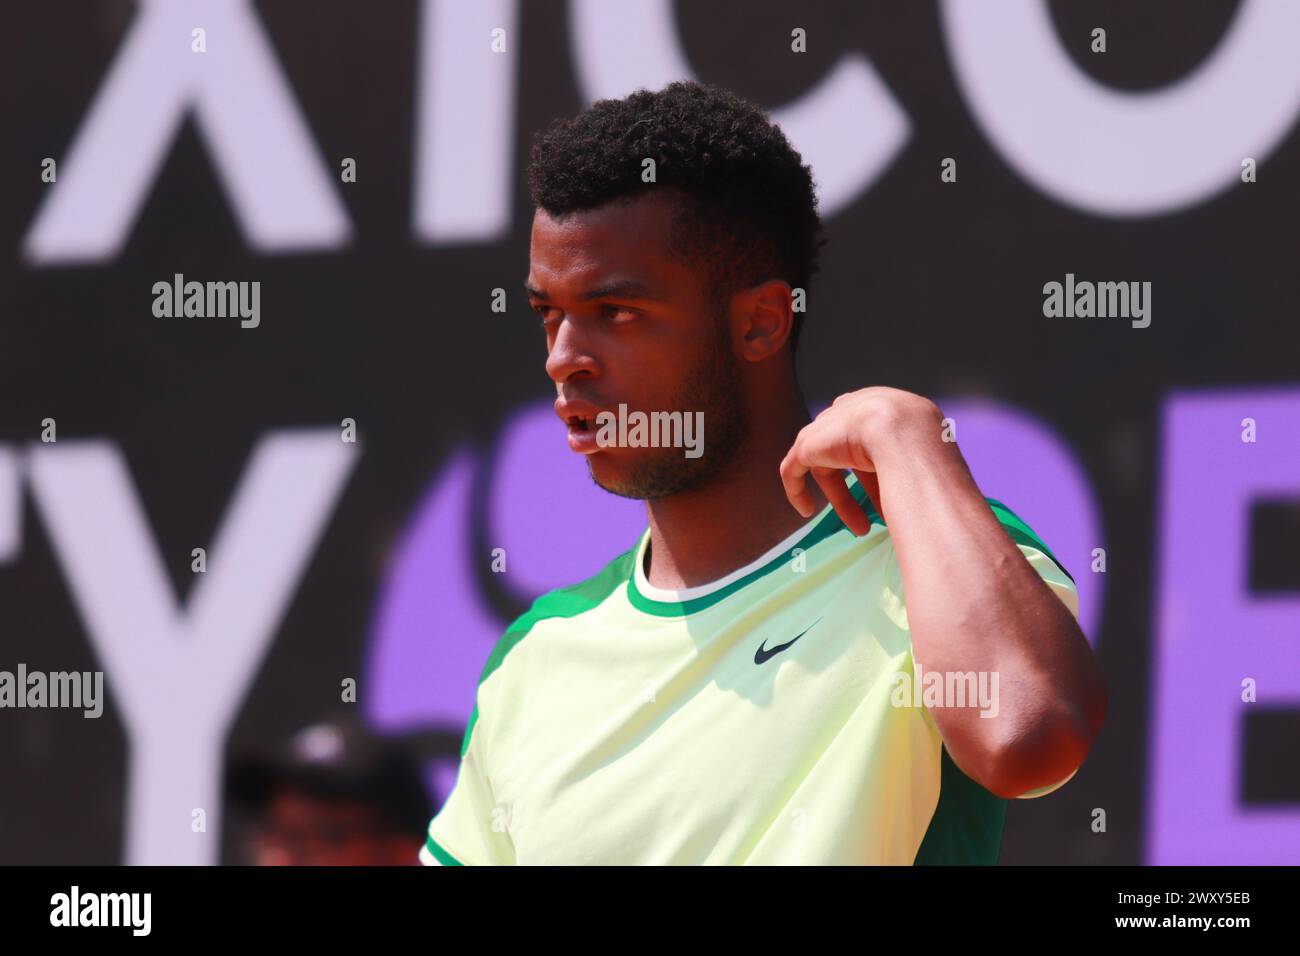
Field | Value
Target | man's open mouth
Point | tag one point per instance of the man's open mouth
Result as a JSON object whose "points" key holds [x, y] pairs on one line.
{"points": [[581, 420]]}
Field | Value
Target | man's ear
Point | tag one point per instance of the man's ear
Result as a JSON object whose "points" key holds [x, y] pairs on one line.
{"points": [[767, 316]]}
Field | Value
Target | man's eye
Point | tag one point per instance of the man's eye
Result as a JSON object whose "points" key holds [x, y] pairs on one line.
{"points": [[542, 310], [616, 312]]}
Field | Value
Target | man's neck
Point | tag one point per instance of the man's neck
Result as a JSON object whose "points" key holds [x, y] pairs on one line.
{"points": [[704, 534]]}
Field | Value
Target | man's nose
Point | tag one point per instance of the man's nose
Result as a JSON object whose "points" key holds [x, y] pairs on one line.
{"points": [[570, 353]]}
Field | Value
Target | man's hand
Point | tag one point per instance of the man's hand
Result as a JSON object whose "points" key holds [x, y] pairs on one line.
{"points": [[863, 431]]}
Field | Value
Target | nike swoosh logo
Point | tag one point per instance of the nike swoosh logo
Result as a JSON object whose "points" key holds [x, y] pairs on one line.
{"points": [[763, 653]]}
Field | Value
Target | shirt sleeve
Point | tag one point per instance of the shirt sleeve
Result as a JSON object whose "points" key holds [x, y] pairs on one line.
{"points": [[1053, 576], [470, 829]]}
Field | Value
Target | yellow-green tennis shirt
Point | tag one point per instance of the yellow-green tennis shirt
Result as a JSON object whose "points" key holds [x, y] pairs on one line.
{"points": [[752, 720]]}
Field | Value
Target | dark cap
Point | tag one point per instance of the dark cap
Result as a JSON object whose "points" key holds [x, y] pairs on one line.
{"points": [[337, 760]]}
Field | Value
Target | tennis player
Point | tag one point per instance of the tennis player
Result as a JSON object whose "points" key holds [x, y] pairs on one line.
{"points": [[754, 679]]}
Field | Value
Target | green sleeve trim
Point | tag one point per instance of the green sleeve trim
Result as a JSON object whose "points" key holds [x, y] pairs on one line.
{"points": [[564, 602], [441, 855]]}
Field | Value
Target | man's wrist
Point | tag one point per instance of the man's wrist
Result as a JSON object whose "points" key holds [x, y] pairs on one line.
{"points": [[908, 436]]}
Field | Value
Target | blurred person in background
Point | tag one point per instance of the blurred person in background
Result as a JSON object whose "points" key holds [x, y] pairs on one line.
{"points": [[334, 795]]}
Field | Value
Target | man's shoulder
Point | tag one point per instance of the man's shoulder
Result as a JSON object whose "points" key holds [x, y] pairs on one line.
{"points": [[1015, 526], [1022, 534], [569, 601], [575, 599]]}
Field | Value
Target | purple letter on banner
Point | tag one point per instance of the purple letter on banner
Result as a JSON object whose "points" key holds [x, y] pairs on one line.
{"points": [[1211, 634]]}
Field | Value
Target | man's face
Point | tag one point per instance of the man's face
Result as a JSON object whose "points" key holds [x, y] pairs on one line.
{"points": [[300, 829], [626, 324]]}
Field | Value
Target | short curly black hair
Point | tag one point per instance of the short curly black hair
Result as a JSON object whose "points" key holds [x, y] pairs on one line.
{"points": [[747, 207]]}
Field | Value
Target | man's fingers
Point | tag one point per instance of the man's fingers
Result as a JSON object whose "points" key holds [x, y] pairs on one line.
{"points": [[835, 486], [793, 472], [871, 484]]}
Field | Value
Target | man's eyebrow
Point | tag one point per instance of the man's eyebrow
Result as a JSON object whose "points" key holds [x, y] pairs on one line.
{"points": [[614, 289]]}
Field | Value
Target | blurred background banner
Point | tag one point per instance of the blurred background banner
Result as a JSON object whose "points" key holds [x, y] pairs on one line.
{"points": [[363, 165]]}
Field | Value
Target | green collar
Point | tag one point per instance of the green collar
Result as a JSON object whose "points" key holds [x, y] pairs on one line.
{"points": [[828, 524]]}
